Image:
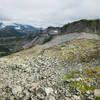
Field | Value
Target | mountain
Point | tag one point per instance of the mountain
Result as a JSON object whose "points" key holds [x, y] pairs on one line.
{"points": [[9, 32], [59, 33], [92, 26], [13, 36], [56, 63], [14, 29], [16, 35]]}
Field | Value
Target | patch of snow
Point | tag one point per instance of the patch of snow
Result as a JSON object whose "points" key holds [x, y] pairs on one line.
{"points": [[18, 28], [55, 31], [2, 26]]}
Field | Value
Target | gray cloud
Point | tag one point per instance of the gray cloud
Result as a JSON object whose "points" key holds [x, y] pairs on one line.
{"points": [[48, 12]]}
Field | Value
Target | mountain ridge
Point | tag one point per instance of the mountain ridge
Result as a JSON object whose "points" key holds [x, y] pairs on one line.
{"points": [[49, 35], [84, 25], [19, 28]]}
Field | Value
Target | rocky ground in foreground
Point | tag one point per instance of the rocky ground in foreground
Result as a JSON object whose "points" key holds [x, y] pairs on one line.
{"points": [[67, 71]]}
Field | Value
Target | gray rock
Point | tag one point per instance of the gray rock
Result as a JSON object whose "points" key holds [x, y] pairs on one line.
{"points": [[41, 94], [97, 92], [48, 90], [50, 98]]}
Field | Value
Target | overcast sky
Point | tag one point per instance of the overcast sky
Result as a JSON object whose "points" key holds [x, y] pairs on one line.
{"points": [[45, 13]]}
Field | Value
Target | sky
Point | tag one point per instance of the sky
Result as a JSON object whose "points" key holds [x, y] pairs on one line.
{"points": [[44, 13]]}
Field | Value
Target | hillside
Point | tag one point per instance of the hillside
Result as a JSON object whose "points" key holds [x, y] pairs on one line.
{"points": [[67, 69], [81, 26], [91, 26], [13, 36], [8, 29], [18, 37]]}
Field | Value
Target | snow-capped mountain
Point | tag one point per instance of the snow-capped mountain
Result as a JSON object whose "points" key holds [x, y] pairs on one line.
{"points": [[17, 28]]}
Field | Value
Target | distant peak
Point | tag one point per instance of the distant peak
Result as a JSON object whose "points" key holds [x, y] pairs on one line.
{"points": [[8, 23]]}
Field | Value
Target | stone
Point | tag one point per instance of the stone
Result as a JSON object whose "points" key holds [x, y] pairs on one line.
{"points": [[11, 97], [67, 98], [16, 89], [50, 98], [76, 97], [41, 94], [88, 92], [97, 92], [24, 98], [48, 90], [2, 98]]}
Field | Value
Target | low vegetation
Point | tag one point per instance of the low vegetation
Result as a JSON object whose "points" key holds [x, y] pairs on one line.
{"points": [[81, 51], [84, 81], [82, 26]]}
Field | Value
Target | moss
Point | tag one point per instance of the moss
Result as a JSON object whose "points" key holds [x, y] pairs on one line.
{"points": [[80, 86], [81, 51], [70, 75], [87, 76], [97, 98]]}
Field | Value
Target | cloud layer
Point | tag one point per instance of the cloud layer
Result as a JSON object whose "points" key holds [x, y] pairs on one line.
{"points": [[48, 12]]}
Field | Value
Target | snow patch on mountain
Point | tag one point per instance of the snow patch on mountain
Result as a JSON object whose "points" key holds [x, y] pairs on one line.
{"points": [[19, 27]]}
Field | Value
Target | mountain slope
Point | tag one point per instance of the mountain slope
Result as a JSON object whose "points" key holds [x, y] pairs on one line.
{"points": [[87, 26], [13, 36], [13, 29], [91, 26], [56, 65], [41, 73]]}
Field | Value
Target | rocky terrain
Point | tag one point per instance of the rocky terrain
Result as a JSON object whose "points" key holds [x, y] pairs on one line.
{"points": [[83, 25], [60, 33], [65, 68], [16, 37]]}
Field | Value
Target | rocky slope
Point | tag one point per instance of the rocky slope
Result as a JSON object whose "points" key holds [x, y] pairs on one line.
{"points": [[65, 70], [11, 33], [82, 26]]}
